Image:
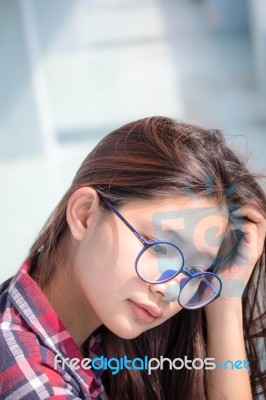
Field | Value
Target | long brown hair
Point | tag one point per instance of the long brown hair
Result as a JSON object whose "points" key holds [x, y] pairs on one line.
{"points": [[153, 158]]}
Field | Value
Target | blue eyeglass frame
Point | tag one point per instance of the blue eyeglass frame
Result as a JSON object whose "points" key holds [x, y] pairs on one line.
{"points": [[148, 244]]}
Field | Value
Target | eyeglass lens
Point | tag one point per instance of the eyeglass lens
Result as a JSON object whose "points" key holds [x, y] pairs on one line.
{"points": [[199, 290], [162, 261], [159, 262]]}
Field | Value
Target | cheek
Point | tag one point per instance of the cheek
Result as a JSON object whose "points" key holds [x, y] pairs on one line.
{"points": [[105, 270]]}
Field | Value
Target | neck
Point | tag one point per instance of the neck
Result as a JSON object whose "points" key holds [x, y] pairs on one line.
{"points": [[71, 306]]}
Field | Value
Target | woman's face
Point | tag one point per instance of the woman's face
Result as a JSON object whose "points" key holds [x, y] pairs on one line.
{"points": [[104, 263]]}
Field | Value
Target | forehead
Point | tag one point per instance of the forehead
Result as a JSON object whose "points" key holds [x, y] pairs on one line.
{"points": [[170, 209]]}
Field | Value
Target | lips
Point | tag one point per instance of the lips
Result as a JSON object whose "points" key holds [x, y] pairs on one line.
{"points": [[153, 310]]}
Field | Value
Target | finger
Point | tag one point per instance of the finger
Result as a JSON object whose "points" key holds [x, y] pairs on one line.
{"points": [[255, 217], [251, 213], [250, 233]]}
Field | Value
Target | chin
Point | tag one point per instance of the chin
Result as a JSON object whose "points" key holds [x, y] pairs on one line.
{"points": [[130, 336], [126, 332]]}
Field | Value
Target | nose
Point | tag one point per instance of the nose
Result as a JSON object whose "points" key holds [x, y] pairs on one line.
{"points": [[169, 290]]}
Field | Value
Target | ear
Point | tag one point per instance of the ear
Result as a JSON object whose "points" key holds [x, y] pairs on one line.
{"points": [[82, 205]]}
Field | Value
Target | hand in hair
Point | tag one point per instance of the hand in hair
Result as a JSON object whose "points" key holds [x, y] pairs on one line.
{"points": [[236, 276], [225, 315]]}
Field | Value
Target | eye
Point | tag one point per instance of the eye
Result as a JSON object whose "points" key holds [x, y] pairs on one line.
{"points": [[148, 239], [196, 269], [160, 249]]}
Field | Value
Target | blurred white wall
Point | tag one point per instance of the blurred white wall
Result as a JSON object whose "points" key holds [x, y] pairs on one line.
{"points": [[71, 71]]}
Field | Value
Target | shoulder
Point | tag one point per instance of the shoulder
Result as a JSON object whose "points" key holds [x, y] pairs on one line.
{"points": [[27, 365], [27, 369], [32, 341]]}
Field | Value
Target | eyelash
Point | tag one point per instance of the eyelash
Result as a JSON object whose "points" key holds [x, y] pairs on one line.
{"points": [[149, 239]]}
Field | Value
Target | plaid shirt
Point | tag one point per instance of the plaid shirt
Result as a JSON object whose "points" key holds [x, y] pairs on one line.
{"points": [[31, 336]]}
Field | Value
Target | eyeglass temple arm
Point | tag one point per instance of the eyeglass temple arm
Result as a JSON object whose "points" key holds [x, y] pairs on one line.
{"points": [[112, 207], [208, 283]]}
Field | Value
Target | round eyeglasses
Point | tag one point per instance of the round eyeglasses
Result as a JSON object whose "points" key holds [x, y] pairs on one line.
{"points": [[160, 261]]}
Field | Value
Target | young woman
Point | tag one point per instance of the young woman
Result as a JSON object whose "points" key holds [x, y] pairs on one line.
{"points": [[156, 253]]}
